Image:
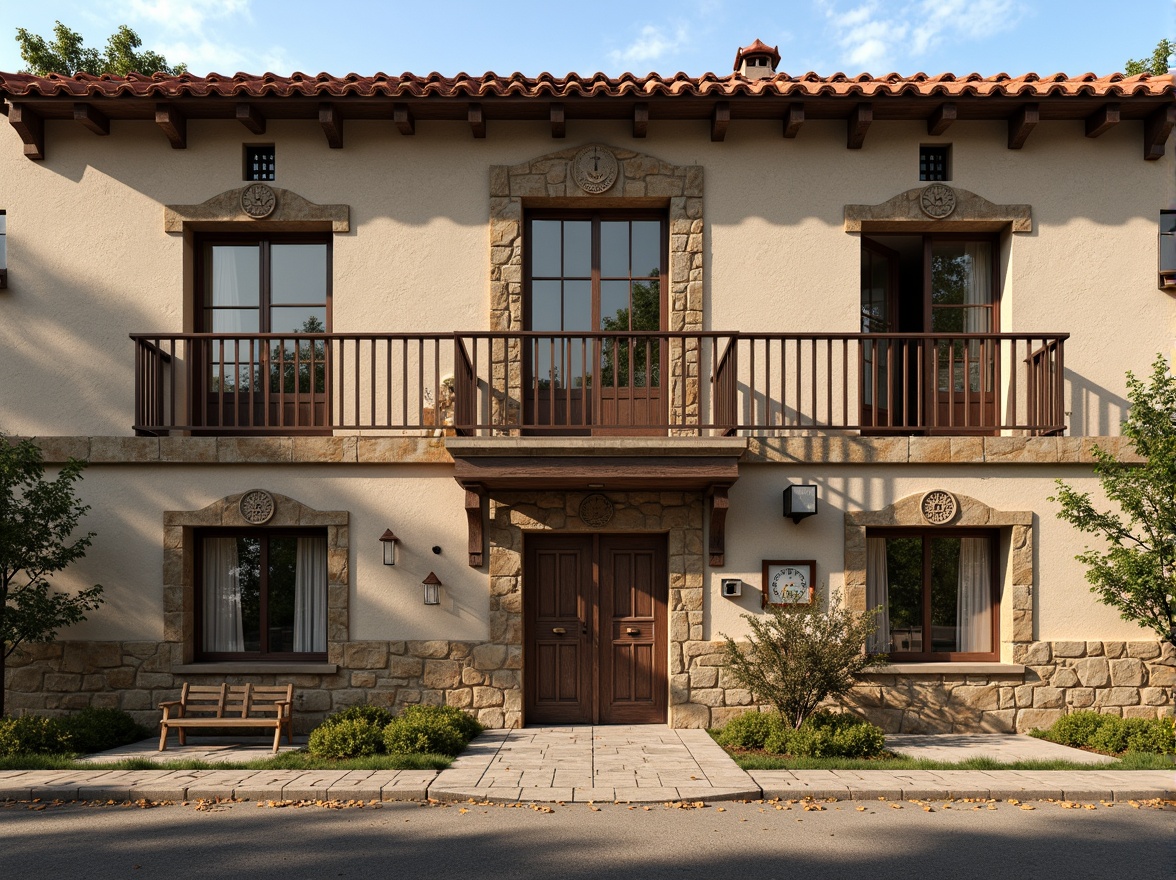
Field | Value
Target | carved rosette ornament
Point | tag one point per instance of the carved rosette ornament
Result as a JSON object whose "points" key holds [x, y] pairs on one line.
{"points": [[596, 511], [594, 169], [938, 201], [258, 201], [257, 506], [939, 507]]}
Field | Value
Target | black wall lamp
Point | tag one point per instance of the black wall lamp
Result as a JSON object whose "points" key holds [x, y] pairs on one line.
{"points": [[800, 500], [389, 541]]}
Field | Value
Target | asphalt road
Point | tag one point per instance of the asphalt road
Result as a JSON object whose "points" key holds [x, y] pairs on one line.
{"points": [[747, 841]]}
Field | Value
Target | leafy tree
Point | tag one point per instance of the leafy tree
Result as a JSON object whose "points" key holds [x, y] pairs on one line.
{"points": [[38, 518], [66, 54], [616, 354], [799, 655], [1137, 573], [1157, 65]]}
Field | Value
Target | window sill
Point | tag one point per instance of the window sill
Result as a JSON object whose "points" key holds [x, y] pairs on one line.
{"points": [[256, 667], [941, 668]]}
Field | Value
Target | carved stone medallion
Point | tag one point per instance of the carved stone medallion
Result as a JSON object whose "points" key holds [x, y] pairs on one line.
{"points": [[596, 511], [939, 507], [937, 201], [258, 201], [594, 169], [257, 506]]}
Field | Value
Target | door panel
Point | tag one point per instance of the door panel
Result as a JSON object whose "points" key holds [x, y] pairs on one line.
{"points": [[608, 594]]}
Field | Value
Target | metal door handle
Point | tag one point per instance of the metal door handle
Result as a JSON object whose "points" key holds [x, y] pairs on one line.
{"points": [[632, 631], [558, 630]]}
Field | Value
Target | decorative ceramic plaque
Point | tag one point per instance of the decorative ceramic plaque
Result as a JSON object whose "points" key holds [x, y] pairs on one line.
{"points": [[937, 201], [258, 201], [596, 511], [594, 169], [939, 507], [257, 506]]}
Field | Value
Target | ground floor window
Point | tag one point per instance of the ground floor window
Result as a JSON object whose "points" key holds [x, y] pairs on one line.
{"points": [[938, 593], [261, 593]]}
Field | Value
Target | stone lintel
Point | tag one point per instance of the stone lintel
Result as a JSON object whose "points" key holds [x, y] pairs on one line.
{"points": [[972, 213], [292, 213]]}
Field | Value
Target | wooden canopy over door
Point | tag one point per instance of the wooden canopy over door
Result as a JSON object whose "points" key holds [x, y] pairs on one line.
{"points": [[595, 629]]}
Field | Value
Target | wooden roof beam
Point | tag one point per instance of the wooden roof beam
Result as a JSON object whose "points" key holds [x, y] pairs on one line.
{"points": [[640, 119], [1102, 120], [1156, 129], [793, 120], [720, 119], [477, 120], [1021, 124], [31, 128], [332, 124], [173, 124], [92, 118], [404, 119], [941, 119], [559, 126], [250, 117], [857, 126]]}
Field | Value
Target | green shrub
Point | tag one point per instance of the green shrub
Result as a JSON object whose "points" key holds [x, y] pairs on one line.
{"points": [[1078, 728], [425, 729], [350, 738], [1155, 735], [33, 735], [825, 735], [377, 715], [465, 723], [96, 730], [750, 730]]}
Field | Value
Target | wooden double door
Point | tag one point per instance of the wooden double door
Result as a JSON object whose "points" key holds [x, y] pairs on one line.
{"points": [[595, 629]]}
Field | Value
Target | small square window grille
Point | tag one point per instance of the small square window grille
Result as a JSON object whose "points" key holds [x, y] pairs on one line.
{"points": [[259, 162], [3, 250], [933, 163]]}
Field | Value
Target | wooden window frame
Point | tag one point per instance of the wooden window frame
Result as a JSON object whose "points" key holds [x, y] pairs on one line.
{"points": [[198, 601], [993, 536]]}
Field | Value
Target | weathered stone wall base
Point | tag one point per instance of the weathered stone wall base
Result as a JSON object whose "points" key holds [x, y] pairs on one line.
{"points": [[61, 677]]}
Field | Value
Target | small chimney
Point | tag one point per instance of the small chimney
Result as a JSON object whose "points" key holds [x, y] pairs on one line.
{"points": [[757, 61]]}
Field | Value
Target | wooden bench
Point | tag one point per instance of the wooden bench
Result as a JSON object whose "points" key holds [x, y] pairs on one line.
{"points": [[228, 705]]}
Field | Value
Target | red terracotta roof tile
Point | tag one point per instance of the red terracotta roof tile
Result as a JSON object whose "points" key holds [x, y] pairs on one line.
{"points": [[809, 85]]}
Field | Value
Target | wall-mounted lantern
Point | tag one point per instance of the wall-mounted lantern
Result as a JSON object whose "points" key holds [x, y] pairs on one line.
{"points": [[432, 585], [800, 501], [732, 588], [389, 541]]}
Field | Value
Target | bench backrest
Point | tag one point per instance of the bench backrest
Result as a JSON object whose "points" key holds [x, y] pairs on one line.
{"points": [[233, 700]]}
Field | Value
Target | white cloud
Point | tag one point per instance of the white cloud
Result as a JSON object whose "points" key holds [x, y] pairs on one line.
{"points": [[188, 15], [194, 32], [875, 37], [651, 45]]}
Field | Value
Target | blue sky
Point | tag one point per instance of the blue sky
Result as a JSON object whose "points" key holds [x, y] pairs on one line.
{"points": [[695, 36]]}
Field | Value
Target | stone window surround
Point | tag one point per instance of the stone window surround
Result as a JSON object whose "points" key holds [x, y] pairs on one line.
{"points": [[972, 213], [179, 588], [1016, 539], [546, 181]]}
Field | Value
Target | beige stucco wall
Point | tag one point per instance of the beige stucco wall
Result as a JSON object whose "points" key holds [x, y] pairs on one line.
{"points": [[89, 261]]}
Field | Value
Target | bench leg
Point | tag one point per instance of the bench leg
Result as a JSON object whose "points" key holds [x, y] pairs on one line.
{"points": [[162, 737], [277, 737]]}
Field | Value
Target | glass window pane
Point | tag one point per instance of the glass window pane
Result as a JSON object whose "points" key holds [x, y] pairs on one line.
{"points": [[298, 273], [232, 275], [646, 305], [904, 578], [614, 305], [945, 580], [614, 249], [647, 251], [577, 241], [577, 305], [305, 362], [298, 319], [545, 235], [280, 593], [230, 320], [961, 273], [249, 572], [546, 305]]}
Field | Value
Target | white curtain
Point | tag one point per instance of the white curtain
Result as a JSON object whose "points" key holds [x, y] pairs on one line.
{"points": [[979, 289], [310, 595], [877, 594], [222, 596], [974, 600]]}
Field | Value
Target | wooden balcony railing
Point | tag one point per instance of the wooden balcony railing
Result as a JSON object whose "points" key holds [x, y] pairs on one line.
{"points": [[648, 383]]}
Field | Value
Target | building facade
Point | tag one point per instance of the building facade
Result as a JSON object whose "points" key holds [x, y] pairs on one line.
{"points": [[490, 391]]}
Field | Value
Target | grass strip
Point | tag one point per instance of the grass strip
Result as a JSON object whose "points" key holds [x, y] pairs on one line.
{"points": [[892, 761], [284, 761]]}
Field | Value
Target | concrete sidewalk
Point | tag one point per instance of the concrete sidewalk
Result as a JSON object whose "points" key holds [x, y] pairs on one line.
{"points": [[633, 764]]}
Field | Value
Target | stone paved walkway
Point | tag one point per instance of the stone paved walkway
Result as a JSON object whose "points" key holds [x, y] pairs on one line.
{"points": [[637, 764]]}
